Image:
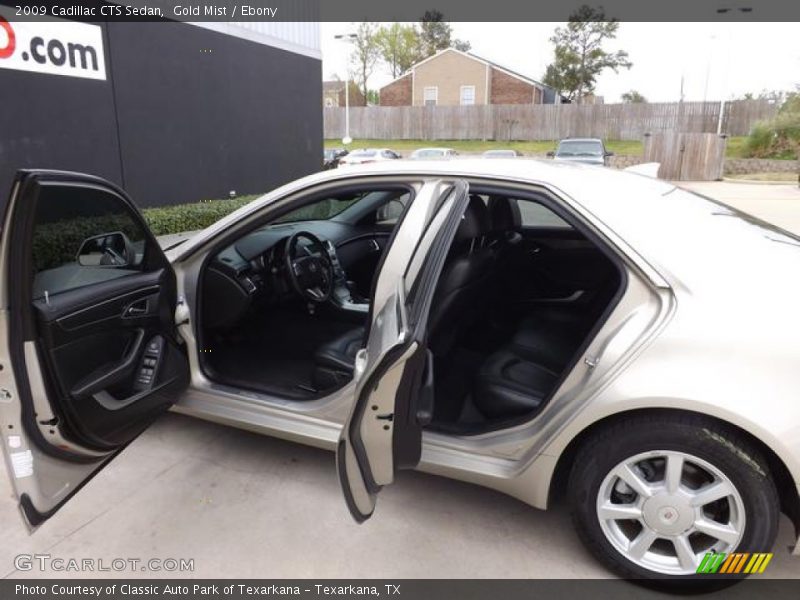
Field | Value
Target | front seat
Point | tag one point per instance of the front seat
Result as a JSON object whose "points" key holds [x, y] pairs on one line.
{"points": [[458, 293], [462, 290], [506, 222], [334, 360]]}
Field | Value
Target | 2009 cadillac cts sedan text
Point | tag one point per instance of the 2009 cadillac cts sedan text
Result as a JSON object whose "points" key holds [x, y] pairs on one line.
{"points": [[550, 331]]}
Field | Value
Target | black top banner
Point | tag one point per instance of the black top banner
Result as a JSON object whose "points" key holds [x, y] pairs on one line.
{"points": [[402, 10]]}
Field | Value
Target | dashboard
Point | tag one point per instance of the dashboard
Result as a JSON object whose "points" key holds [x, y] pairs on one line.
{"points": [[251, 270]]}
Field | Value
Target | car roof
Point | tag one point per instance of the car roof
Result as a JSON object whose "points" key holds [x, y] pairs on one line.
{"points": [[669, 230], [582, 140]]}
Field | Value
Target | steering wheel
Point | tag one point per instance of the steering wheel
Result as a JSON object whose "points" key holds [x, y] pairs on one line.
{"points": [[309, 268]]}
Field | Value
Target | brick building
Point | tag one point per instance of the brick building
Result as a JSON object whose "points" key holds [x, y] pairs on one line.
{"points": [[451, 78], [333, 94]]}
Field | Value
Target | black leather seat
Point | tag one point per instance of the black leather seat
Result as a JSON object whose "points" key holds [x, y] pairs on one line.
{"points": [[458, 294], [509, 386], [506, 222], [462, 290], [334, 361]]}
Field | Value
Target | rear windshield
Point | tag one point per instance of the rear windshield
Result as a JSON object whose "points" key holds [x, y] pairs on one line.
{"points": [[580, 149]]}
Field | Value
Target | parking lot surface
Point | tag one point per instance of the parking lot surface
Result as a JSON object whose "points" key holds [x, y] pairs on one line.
{"points": [[243, 505]]}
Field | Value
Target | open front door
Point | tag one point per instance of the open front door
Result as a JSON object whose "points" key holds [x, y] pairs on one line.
{"points": [[394, 373], [88, 348]]}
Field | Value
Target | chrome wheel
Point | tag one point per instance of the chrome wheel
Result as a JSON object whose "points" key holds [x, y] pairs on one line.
{"points": [[663, 510]]}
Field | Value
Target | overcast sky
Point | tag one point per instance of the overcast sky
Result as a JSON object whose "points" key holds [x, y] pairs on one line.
{"points": [[716, 60]]}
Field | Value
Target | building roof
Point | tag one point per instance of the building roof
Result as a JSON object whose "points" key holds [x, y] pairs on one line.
{"points": [[332, 86], [492, 64]]}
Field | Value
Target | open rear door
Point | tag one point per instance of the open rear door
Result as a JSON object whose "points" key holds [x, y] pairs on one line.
{"points": [[394, 373], [88, 348]]}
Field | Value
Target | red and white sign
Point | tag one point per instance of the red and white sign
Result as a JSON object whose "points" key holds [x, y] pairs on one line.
{"points": [[53, 47]]}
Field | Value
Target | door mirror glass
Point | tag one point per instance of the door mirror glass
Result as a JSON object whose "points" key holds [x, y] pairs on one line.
{"points": [[106, 250], [390, 212]]}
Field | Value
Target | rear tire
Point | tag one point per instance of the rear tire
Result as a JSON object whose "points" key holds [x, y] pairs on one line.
{"points": [[651, 495]]}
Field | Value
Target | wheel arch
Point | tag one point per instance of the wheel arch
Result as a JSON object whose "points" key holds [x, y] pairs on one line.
{"points": [[785, 483]]}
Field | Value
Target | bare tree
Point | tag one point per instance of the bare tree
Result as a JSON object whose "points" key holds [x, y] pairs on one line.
{"points": [[365, 55]]}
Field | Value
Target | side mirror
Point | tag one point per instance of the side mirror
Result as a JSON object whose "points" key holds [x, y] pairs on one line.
{"points": [[551, 154], [390, 212], [609, 154], [106, 250]]}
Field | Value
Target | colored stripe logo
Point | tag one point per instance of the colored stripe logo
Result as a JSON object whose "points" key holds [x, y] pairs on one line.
{"points": [[734, 563]]}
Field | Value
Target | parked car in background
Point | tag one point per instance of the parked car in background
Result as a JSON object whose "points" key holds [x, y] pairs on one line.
{"points": [[426, 153], [584, 150], [332, 156], [369, 155], [502, 153]]}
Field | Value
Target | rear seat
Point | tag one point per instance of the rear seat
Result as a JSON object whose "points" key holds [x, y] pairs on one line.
{"points": [[517, 379]]}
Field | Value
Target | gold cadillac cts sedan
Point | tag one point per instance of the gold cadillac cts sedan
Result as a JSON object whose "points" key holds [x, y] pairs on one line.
{"points": [[556, 332]]}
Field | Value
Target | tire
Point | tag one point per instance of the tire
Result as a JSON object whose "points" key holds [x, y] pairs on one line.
{"points": [[704, 453]]}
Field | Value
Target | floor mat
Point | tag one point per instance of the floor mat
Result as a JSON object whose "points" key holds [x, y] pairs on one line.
{"points": [[274, 352]]}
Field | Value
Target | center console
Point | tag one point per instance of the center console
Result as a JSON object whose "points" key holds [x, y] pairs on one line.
{"points": [[344, 295]]}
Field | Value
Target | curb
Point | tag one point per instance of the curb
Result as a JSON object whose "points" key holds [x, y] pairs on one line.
{"points": [[755, 182]]}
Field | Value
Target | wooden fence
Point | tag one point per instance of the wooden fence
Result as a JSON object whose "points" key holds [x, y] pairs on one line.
{"points": [[543, 121], [686, 156]]}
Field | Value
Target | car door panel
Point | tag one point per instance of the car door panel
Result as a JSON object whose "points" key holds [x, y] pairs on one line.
{"points": [[556, 264], [95, 357], [393, 373]]}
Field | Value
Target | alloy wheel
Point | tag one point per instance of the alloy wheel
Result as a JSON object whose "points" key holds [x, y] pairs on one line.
{"points": [[663, 510]]}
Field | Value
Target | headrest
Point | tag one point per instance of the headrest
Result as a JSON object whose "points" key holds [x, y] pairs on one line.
{"points": [[504, 214], [475, 221]]}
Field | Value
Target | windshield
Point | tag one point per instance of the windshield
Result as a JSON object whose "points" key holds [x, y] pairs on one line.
{"points": [[428, 153], [580, 148], [320, 211]]}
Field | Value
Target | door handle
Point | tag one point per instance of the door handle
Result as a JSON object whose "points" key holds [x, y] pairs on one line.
{"points": [[137, 309], [98, 382]]}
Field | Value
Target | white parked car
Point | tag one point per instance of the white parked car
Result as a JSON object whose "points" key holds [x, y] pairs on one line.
{"points": [[554, 332], [368, 155], [431, 153]]}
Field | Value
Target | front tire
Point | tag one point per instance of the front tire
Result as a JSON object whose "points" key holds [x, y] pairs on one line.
{"points": [[651, 495]]}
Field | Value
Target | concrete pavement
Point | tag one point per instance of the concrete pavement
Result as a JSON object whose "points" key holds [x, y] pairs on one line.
{"points": [[243, 505]]}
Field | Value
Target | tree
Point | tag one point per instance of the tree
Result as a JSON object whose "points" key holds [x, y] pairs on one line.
{"points": [[399, 47], [579, 54], [633, 97], [436, 34], [365, 55]]}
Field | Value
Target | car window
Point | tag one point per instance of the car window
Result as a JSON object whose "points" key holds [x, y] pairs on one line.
{"points": [[389, 213], [324, 209], [83, 236], [580, 148], [536, 215]]}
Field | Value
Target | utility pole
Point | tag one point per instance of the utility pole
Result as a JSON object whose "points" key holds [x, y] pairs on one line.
{"points": [[348, 38]]}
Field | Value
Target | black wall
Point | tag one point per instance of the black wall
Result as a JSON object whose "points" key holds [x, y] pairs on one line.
{"points": [[185, 114]]}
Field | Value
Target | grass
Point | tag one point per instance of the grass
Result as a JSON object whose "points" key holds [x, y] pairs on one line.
{"points": [[735, 146], [783, 176]]}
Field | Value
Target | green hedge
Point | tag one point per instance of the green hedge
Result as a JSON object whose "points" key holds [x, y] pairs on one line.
{"points": [[164, 220], [779, 137]]}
